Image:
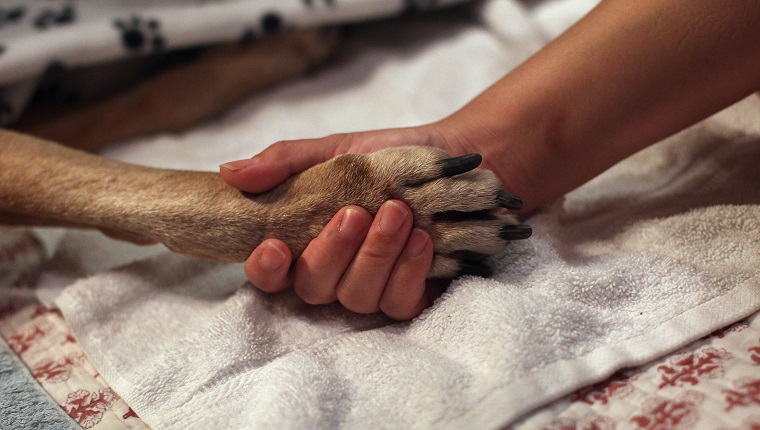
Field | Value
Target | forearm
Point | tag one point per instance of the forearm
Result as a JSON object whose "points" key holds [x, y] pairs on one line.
{"points": [[624, 77]]}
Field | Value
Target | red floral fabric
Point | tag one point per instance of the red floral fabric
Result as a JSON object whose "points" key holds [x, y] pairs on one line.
{"points": [[713, 383], [43, 342]]}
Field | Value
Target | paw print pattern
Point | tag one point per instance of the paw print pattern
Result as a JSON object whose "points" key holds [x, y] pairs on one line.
{"points": [[137, 34], [50, 17], [11, 15], [271, 22]]}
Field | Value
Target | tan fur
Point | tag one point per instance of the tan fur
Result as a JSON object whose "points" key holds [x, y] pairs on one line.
{"points": [[196, 213]]}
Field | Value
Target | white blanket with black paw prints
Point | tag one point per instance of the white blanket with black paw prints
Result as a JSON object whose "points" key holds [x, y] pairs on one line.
{"points": [[39, 39]]}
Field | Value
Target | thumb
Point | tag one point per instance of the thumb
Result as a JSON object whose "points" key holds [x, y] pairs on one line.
{"points": [[275, 164]]}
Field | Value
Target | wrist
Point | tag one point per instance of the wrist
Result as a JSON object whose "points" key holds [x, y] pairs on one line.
{"points": [[512, 150]]}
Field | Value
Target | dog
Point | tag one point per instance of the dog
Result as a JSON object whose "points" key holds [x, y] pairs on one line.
{"points": [[44, 183]]}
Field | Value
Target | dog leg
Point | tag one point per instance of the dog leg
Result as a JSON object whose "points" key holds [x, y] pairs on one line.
{"points": [[185, 95], [196, 213], [43, 183]]}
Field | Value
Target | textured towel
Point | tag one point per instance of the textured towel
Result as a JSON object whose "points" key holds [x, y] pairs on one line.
{"points": [[658, 251], [23, 403]]}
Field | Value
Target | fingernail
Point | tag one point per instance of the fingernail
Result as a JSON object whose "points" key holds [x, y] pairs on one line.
{"points": [[353, 224], [239, 164], [417, 242], [392, 218], [271, 258]]}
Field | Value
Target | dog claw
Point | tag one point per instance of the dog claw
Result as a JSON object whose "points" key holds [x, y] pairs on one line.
{"points": [[477, 269], [509, 201], [458, 165], [515, 232]]}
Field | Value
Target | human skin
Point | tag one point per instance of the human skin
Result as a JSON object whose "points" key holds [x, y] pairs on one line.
{"points": [[624, 77]]}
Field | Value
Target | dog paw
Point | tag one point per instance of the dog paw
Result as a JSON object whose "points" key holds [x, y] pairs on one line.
{"points": [[463, 209]]}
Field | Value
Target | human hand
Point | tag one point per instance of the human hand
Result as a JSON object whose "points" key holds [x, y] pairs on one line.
{"points": [[554, 122], [367, 265]]}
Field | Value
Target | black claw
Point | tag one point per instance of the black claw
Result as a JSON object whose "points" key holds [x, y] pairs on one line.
{"points": [[509, 201], [515, 232], [459, 165], [472, 268]]}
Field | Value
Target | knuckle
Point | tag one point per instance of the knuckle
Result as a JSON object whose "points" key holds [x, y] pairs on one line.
{"points": [[278, 148], [313, 296], [356, 304], [399, 310], [312, 289], [403, 298], [376, 253], [360, 295], [341, 140]]}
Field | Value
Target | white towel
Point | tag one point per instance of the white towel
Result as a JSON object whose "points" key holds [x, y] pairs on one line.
{"points": [[658, 251]]}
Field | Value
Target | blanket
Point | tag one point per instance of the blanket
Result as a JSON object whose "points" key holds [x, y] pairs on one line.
{"points": [[656, 252], [41, 40]]}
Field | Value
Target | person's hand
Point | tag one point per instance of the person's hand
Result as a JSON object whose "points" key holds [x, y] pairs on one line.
{"points": [[366, 264]]}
